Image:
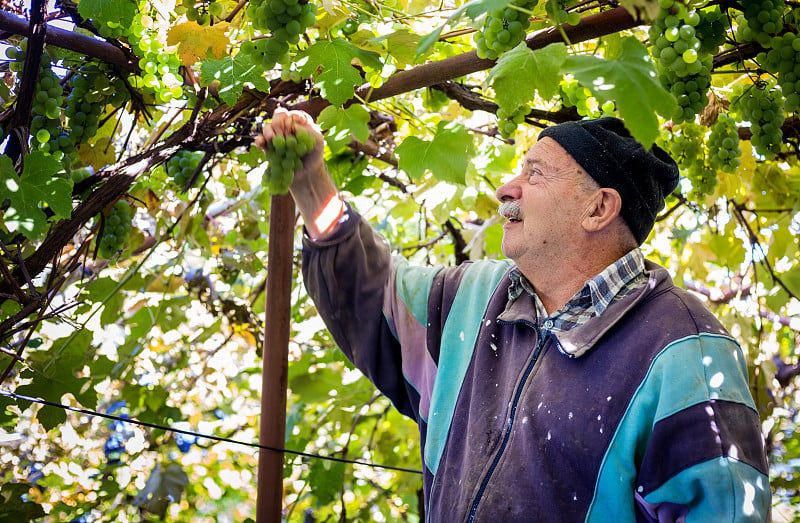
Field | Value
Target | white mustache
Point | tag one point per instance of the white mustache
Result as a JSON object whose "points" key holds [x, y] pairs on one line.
{"points": [[510, 210]]}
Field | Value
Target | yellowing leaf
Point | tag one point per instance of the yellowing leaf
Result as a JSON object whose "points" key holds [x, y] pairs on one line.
{"points": [[98, 154], [196, 43]]}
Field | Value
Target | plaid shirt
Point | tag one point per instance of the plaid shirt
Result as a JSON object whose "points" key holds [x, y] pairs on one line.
{"points": [[615, 282]]}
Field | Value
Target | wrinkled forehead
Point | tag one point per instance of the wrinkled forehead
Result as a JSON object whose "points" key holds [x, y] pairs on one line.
{"points": [[548, 155]]}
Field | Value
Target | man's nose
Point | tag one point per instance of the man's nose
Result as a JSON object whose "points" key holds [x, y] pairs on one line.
{"points": [[508, 191]]}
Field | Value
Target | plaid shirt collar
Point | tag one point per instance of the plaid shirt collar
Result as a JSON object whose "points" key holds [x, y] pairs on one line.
{"points": [[615, 282]]}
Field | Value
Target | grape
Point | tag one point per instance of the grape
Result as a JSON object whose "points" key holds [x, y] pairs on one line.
{"points": [[181, 166], [573, 94], [508, 120], [503, 29], [783, 59], [203, 11], [434, 100], [686, 145], [286, 20], [763, 108], [285, 157], [160, 78], [710, 29], [690, 91], [557, 11], [723, 145], [116, 228], [90, 92], [764, 19], [683, 62], [47, 100]]}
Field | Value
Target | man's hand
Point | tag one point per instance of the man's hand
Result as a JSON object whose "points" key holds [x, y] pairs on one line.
{"points": [[312, 187], [286, 123]]}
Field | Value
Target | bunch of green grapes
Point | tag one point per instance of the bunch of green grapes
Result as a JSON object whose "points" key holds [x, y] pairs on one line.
{"points": [[78, 175], [743, 32], [686, 145], [703, 178], [160, 75], [675, 45], [47, 100], [286, 20], [181, 166], [202, 12], [557, 11], [289, 72], [434, 100], [85, 102], [723, 145], [285, 156], [503, 29], [507, 121], [711, 29], [116, 228], [690, 91], [763, 108], [764, 19], [573, 94], [784, 60]]}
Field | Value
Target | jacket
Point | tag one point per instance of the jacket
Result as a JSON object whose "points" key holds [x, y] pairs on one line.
{"points": [[640, 414]]}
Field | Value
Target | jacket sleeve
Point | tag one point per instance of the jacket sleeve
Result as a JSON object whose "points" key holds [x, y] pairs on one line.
{"points": [[704, 459], [375, 306]]}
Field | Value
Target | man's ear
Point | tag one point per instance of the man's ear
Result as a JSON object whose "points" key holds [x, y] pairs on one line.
{"points": [[602, 209]]}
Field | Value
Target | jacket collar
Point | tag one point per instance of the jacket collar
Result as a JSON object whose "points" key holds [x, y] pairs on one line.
{"points": [[579, 340]]}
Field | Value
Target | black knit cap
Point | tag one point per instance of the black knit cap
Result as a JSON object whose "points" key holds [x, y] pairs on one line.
{"points": [[607, 151]]}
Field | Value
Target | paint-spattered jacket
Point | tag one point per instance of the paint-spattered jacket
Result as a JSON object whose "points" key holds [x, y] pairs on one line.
{"points": [[641, 414]]}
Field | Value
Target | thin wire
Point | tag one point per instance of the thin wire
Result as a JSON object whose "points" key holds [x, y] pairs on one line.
{"points": [[201, 435]]}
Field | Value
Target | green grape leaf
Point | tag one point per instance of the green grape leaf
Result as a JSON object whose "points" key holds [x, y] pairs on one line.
{"points": [[447, 155], [233, 73], [15, 505], [521, 72], [39, 184], [115, 11], [649, 8], [632, 82], [325, 479], [344, 125], [163, 486], [331, 65], [402, 45], [102, 289]]}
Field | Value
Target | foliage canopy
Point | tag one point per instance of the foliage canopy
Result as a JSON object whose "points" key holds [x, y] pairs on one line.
{"points": [[154, 309]]}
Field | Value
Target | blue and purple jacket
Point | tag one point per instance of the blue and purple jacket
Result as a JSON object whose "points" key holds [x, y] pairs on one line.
{"points": [[641, 414]]}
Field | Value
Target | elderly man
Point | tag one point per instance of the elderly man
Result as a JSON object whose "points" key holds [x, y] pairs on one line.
{"points": [[576, 383]]}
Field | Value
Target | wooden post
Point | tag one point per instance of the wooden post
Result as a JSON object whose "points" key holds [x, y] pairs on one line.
{"points": [[274, 378]]}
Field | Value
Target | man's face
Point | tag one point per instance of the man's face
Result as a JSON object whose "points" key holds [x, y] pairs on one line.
{"points": [[545, 204]]}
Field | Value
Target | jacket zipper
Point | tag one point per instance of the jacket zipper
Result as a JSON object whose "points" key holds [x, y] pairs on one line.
{"points": [[509, 425]]}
